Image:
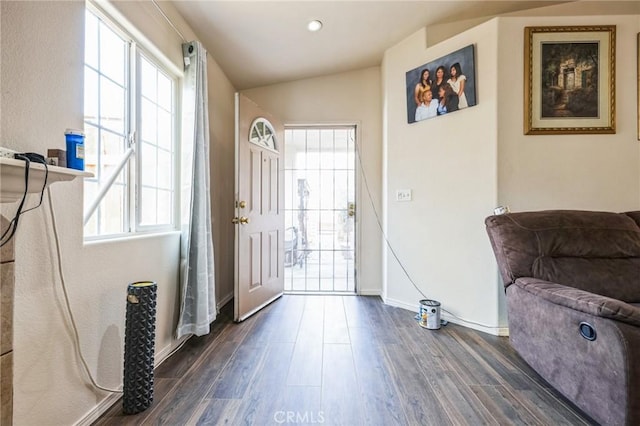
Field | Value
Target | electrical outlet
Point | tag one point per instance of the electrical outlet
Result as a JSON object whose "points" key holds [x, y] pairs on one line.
{"points": [[403, 195]]}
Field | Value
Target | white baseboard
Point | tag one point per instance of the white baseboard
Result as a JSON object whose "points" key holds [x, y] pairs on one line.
{"points": [[369, 292], [165, 353], [496, 331], [98, 410], [111, 399], [224, 301]]}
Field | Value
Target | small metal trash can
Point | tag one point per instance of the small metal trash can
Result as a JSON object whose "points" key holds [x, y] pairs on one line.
{"points": [[139, 346]]}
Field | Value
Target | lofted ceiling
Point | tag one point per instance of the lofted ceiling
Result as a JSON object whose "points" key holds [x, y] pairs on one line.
{"points": [[257, 43]]}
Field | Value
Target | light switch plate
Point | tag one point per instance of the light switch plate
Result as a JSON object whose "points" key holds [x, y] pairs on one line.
{"points": [[403, 195]]}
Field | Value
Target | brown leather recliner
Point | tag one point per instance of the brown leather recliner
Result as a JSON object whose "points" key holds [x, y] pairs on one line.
{"points": [[572, 282]]}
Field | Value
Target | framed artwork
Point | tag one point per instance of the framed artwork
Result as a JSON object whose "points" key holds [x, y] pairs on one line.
{"points": [[442, 86], [569, 80]]}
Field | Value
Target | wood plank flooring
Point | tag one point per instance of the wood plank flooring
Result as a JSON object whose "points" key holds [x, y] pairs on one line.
{"points": [[346, 360]]}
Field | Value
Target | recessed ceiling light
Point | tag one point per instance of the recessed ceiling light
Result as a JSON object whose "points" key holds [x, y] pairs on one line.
{"points": [[314, 25]]}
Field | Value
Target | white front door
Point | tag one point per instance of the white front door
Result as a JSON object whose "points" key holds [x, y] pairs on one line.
{"points": [[259, 219]]}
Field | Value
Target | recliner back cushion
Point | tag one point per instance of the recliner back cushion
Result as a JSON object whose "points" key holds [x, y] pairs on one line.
{"points": [[594, 251], [608, 277]]}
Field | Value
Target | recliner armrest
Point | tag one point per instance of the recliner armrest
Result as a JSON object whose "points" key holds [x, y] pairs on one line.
{"points": [[579, 300]]}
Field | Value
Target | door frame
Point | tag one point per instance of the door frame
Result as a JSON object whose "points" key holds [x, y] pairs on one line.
{"points": [[357, 125], [237, 210]]}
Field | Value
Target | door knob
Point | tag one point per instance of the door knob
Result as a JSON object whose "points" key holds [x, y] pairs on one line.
{"points": [[242, 220], [242, 204]]}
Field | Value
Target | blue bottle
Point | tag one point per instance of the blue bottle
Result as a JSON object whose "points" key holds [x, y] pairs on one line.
{"points": [[75, 149]]}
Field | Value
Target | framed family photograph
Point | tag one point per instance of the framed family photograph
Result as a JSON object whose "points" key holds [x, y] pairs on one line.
{"points": [[443, 86], [569, 80]]}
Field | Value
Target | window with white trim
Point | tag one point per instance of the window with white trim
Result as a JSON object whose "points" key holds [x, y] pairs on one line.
{"points": [[130, 122]]}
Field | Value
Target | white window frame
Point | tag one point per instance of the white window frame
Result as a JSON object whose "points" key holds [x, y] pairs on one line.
{"points": [[139, 46]]}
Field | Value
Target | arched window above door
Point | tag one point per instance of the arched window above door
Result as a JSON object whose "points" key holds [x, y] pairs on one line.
{"points": [[262, 134]]}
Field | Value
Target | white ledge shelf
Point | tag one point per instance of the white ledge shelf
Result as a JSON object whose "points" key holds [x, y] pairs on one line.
{"points": [[12, 178]]}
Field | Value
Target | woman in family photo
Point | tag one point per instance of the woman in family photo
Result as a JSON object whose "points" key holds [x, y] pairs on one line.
{"points": [[439, 81], [424, 84], [456, 81]]}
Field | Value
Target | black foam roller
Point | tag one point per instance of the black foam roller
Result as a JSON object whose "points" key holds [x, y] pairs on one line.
{"points": [[139, 347]]}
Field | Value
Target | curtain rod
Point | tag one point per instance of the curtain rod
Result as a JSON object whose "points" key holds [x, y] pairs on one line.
{"points": [[168, 20]]}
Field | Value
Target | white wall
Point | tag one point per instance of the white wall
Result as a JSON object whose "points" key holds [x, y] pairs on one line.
{"points": [[42, 94], [588, 172], [450, 164], [222, 140], [462, 165], [345, 98]]}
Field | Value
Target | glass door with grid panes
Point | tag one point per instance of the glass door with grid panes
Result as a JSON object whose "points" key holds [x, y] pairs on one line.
{"points": [[319, 238]]}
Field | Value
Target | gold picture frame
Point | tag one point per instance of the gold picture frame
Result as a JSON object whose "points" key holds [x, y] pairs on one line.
{"points": [[569, 76]]}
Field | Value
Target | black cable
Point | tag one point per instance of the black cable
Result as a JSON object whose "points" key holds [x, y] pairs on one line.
{"points": [[13, 225], [44, 184], [388, 243]]}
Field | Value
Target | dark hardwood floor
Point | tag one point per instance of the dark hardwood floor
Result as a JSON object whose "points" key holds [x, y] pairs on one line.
{"points": [[346, 360]]}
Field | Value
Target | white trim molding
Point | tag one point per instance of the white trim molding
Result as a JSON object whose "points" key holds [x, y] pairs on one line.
{"points": [[496, 331]]}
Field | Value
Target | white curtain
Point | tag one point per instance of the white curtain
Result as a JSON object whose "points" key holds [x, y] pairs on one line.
{"points": [[197, 287]]}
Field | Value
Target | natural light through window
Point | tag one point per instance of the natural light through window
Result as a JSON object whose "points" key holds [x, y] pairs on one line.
{"points": [[156, 112], [106, 91], [130, 128], [319, 238]]}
